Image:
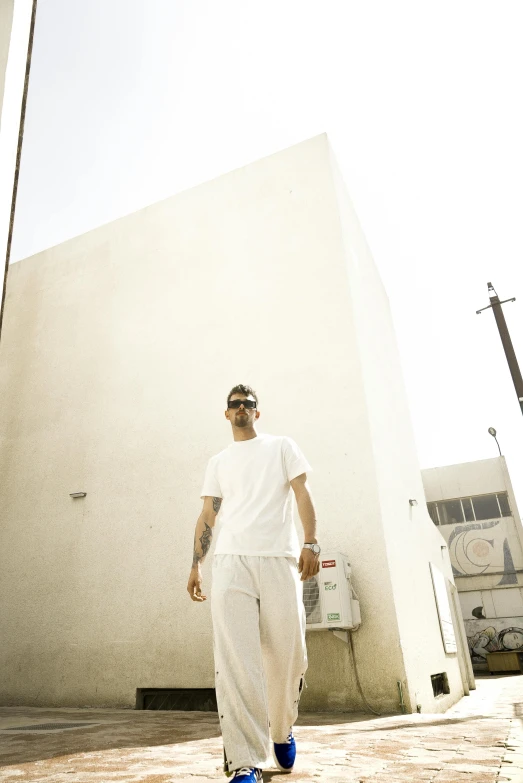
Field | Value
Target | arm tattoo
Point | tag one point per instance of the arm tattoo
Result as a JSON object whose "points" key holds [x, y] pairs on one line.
{"points": [[205, 544], [205, 539]]}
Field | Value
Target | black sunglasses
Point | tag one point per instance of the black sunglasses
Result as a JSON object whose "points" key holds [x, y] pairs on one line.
{"points": [[245, 403]]}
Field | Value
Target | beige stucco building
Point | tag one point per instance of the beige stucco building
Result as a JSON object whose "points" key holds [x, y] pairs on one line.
{"points": [[15, 25], [118, 350], [6, 24], [474, 506]]}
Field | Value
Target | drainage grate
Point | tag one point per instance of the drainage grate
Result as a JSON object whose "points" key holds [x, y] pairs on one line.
{"points": [[186, 699], [49, 726]]}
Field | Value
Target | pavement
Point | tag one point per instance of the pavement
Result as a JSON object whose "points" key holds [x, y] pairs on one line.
{"points": [[479, 740]]}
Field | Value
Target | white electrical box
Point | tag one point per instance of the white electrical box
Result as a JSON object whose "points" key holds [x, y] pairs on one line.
{"points": [[329, 598]]}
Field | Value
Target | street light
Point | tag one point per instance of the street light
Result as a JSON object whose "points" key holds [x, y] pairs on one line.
{"points": [[493, 432]]}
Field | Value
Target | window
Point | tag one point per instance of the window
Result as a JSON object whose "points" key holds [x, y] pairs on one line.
{"points": [[433, 511], [503, 504], [467, 509], [486, 507], [450, 512]]}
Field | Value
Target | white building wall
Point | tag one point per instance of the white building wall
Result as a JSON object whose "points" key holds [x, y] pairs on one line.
{"points": [[480, 477], [490, 555], [487, 556], [15, 23], [6, 21], [411, 540], [119, 349]]}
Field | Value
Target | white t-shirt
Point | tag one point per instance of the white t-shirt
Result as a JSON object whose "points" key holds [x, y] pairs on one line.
{"points": [[253, 479]]}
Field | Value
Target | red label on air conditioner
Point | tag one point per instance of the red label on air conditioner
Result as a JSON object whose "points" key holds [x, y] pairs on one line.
{"points": [[328, 563]]}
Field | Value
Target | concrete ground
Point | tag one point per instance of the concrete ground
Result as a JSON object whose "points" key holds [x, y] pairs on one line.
{"points": [[479, 740]]}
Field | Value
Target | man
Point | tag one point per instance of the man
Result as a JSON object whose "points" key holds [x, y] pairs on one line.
{"points": [[257, 608]]}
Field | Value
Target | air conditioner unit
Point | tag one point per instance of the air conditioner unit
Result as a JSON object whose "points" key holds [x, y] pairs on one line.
{"points": [[329, 598]]}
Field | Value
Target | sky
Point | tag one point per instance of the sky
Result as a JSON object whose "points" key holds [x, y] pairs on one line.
{"points": [[131, 101]]}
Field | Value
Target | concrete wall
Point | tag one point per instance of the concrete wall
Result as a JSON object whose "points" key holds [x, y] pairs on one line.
{"points": [[6, 21], [410, 538], [15, 22], [469, 478], [118, 352], [486, 556], [487, 553]]}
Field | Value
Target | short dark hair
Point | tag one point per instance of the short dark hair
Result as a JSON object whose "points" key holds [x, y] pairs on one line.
{"points": [[241, 388]]}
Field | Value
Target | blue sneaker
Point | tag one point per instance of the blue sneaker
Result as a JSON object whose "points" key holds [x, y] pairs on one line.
{"points": [[285, 754], [247, 775]]}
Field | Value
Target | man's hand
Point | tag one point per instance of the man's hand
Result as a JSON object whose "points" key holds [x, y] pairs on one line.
{"points": [[202, 544], [194, 585], [309, 564]]}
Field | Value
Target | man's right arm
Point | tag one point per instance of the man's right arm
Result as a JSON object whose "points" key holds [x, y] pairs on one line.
{"points": [[202, 544]]}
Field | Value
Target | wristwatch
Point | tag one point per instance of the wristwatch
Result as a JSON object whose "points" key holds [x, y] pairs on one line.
{"points": [[313, 547]]}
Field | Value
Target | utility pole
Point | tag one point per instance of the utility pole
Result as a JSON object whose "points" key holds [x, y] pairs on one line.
{"points": [[505, 339]]}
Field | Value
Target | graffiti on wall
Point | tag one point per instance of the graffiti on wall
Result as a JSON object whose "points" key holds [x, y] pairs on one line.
{"points": [[482, 548], [493, 636]]}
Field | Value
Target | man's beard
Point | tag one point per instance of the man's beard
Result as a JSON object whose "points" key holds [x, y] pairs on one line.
{"points": [[241, 421]]}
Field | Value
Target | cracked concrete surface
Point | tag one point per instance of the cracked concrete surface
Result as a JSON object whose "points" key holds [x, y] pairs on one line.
{"points": [[479, 740]]}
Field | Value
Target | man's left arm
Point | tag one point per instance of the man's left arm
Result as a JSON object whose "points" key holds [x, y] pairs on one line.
{"points": [[309, 563]]}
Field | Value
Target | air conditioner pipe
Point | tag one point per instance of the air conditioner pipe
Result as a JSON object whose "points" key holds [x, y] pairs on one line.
{"points": [[402, 703], [346, 636]]}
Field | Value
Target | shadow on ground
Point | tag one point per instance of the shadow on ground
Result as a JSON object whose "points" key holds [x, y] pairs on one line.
{"points": [[124, 730]]}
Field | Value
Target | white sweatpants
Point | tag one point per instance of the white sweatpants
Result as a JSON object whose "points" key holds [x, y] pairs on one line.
{"points": [[259, 652]]}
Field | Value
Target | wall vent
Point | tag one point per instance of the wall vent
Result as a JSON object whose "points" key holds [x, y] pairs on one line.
{"points": [[186, 699], [440, 684]]}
